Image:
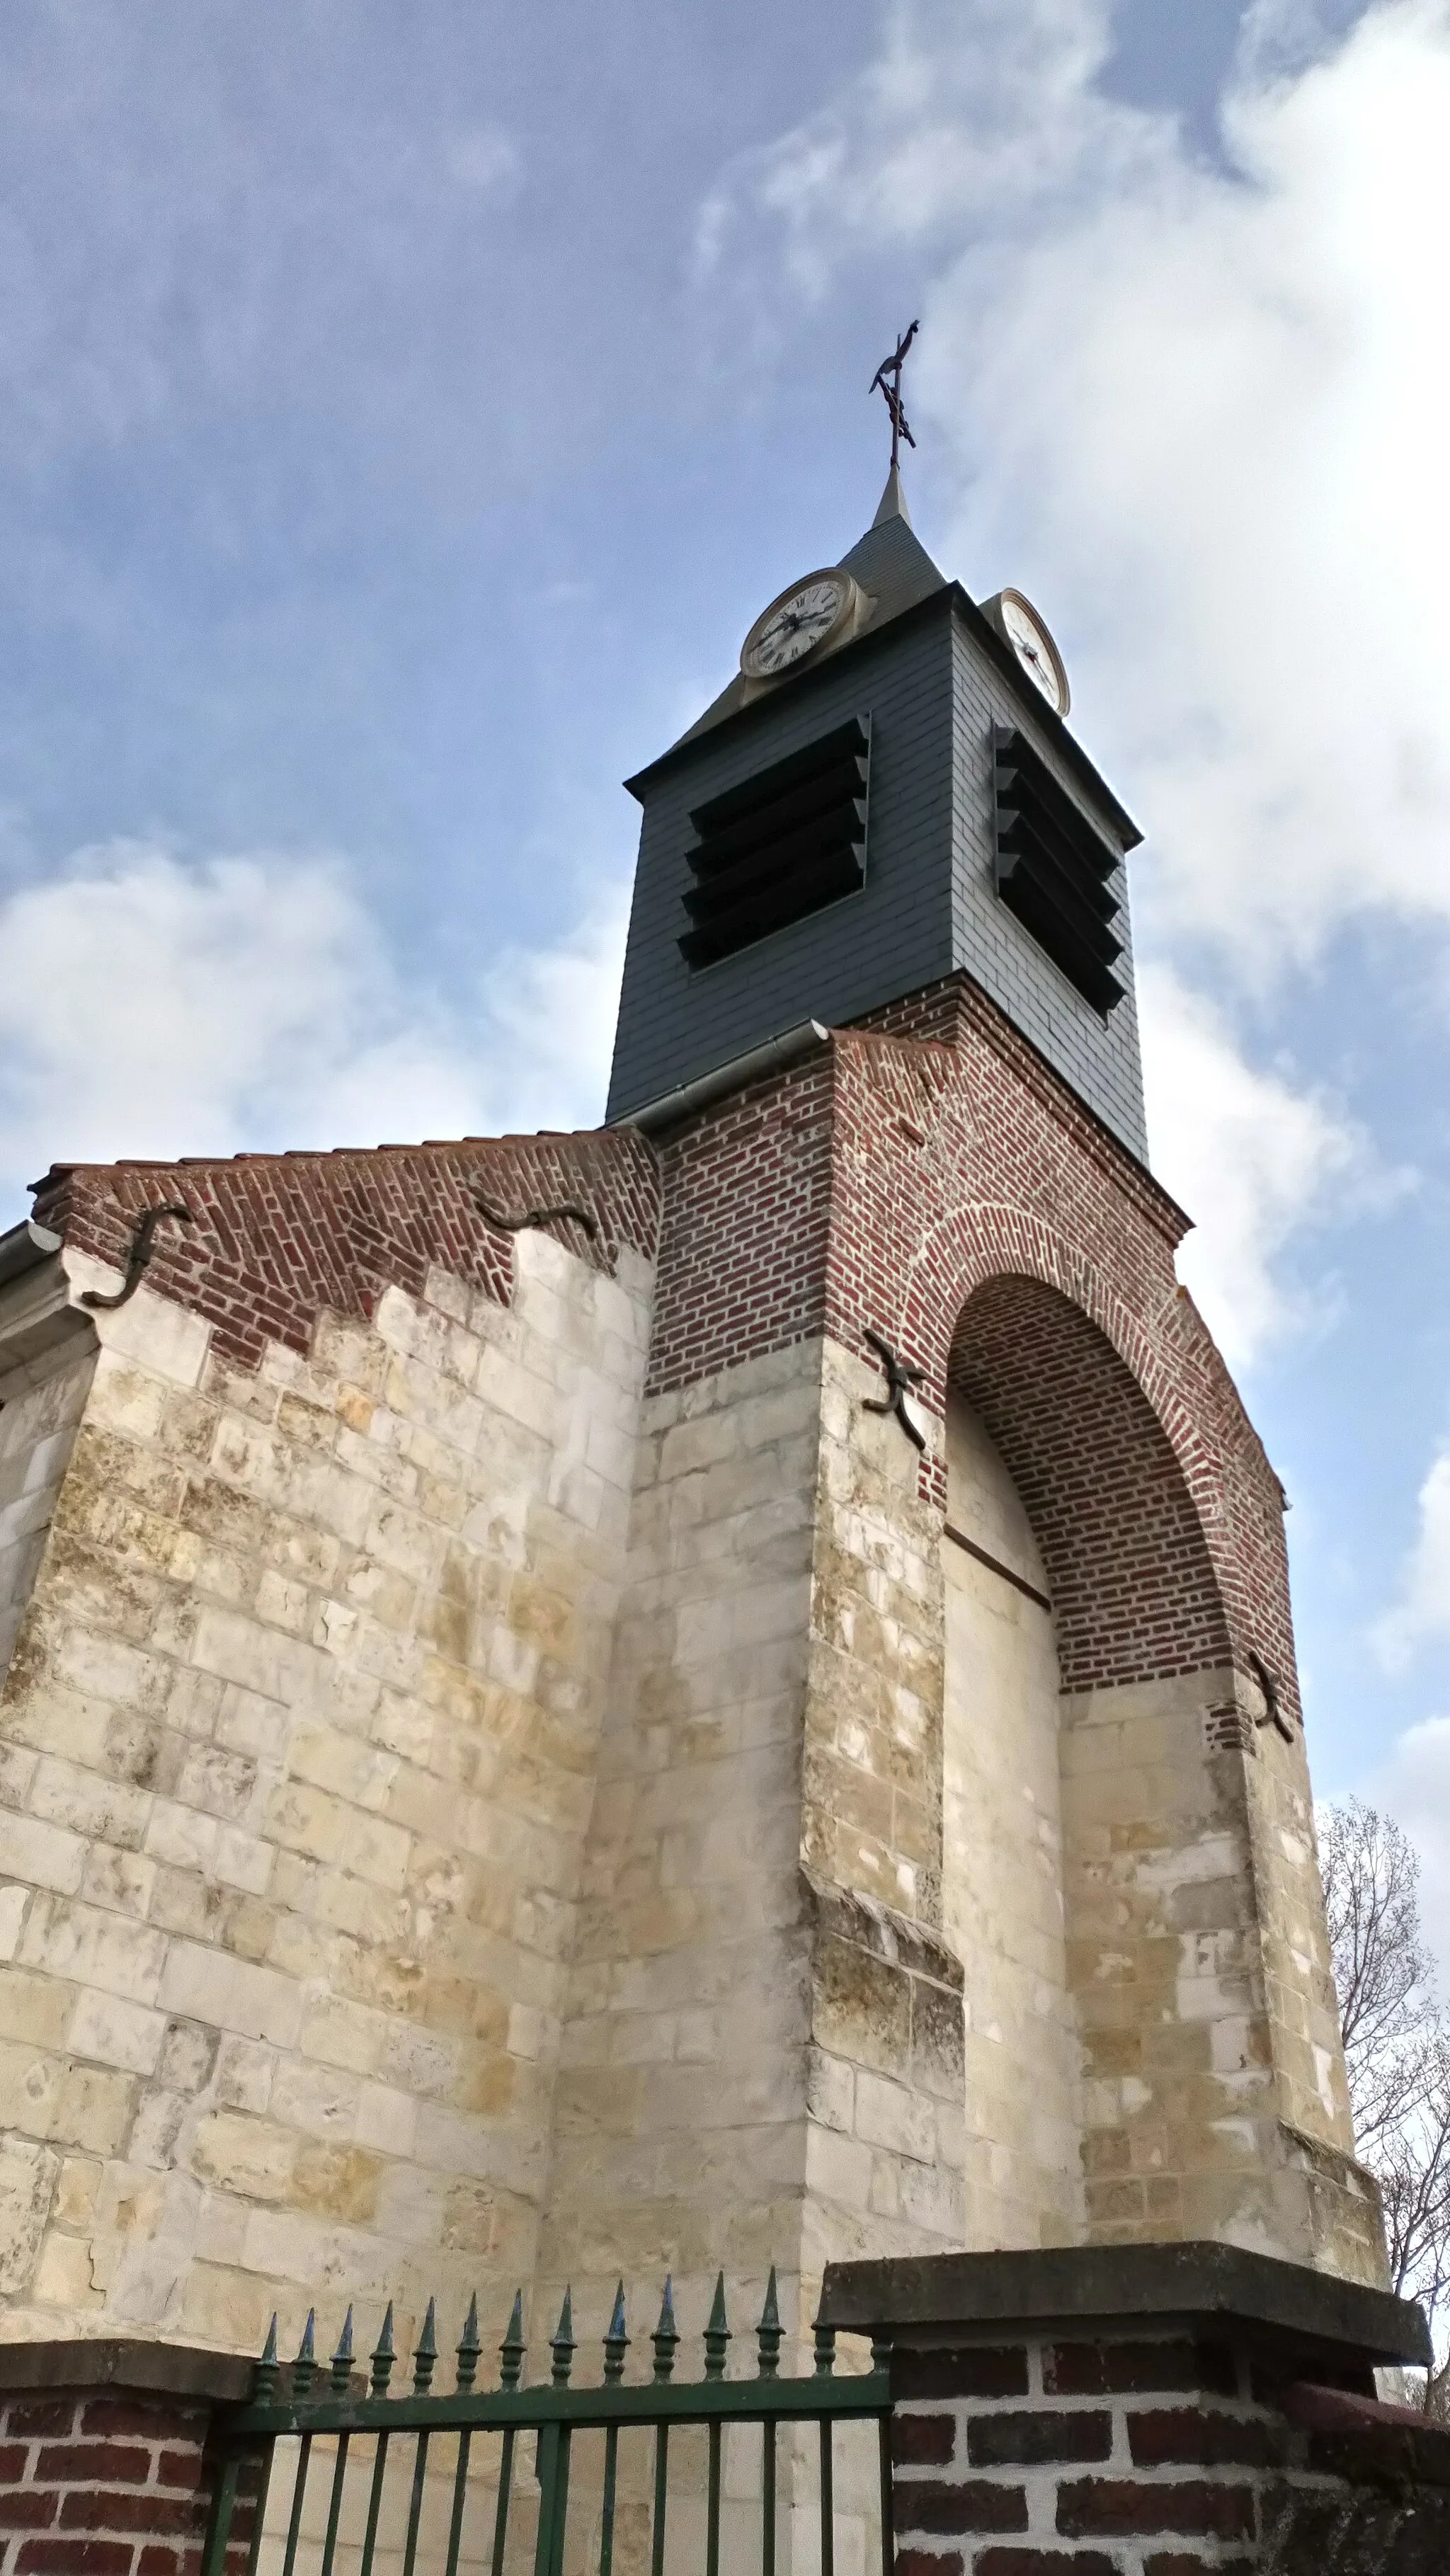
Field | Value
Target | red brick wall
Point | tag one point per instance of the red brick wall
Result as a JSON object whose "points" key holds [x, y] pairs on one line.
{"points": [[100, 2484], [276, 1237], [745, 1229], [1164, 2454]]}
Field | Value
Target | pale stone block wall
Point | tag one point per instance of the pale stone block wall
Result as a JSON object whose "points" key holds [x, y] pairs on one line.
{"points": [[1161, 1941], [886, 2145], [1195, 2055], [1316, 2128], [299, 1742], [1002, 1864], [762, 2061], [680, 2138]]}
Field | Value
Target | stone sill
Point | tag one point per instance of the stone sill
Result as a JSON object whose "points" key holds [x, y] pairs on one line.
{"points": [[146, 2369], [933, 2299]]}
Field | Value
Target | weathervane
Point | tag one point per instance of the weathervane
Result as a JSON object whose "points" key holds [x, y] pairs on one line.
{"points": [[888, 377]]}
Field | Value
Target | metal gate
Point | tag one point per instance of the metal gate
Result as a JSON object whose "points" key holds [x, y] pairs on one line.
{"points": [[362, 2448]]}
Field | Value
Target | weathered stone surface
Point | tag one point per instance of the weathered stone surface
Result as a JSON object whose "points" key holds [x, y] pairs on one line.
{"points": [[299, 1737]]}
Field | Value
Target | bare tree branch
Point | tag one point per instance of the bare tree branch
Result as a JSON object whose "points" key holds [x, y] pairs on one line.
{"points": [[1396, 2051]]}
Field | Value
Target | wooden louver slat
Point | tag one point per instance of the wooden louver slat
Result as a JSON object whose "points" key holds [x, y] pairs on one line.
{"points": [[779, 846], [1052, 870]]}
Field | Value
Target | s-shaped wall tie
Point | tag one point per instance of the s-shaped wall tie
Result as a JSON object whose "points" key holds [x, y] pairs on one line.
{"points": [[1269, 1684], [139, 1255], [529, 1217], [901, 1377]]}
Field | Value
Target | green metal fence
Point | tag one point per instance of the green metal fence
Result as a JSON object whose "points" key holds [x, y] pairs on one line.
{"points": [[356, 2440]]}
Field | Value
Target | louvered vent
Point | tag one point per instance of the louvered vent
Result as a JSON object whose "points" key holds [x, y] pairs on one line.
{"points": [[1053, 869], [780, 845]]}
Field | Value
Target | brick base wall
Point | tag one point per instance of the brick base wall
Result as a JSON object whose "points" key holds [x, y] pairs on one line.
{"points": [[101, 2478], [1172, 2454]]}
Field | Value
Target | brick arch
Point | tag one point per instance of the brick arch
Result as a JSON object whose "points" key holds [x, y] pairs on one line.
{"points": [[974, 1244], [1132, 1581]]}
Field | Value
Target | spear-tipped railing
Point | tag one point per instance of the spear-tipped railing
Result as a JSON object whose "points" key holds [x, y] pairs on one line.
{"points": [[337, 2407]]}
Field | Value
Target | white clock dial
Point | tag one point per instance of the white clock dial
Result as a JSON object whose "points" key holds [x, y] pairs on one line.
{"points": [[796, 624], [1015, 618]]}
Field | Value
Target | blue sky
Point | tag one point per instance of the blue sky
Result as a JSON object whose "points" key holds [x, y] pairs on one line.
{"points": [[403, 414]]}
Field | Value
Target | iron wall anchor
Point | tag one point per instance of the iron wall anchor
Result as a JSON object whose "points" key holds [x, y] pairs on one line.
{"points": [[142, 1245], [536, 1216], [901, 1377], [1269, 1684]]}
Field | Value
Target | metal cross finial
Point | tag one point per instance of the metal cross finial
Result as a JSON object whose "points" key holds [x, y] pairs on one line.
{"points": [[888, 377]]}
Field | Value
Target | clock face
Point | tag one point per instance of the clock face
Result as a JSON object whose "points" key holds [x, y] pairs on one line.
{"points": [[1035, 650], [796, 624]]}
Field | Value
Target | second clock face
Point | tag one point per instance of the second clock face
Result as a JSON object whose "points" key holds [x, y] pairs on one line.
{"points": [[1033, 646], [796, 624]]}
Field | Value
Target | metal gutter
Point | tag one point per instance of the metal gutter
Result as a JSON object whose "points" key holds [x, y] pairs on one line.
{"points": [[24, 1248], [687, 1097]]}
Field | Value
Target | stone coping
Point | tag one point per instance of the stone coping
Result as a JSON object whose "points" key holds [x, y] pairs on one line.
{"points": [[932, 2298], [147, 2369]]}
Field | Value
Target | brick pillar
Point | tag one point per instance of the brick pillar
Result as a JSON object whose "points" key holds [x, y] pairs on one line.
{"points": [[1185, 2410], [107, 2457]]}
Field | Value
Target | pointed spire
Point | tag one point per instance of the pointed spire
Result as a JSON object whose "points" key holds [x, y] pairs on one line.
{"points": [[892, 504], [616, 2342], [426, 2354], [383, 2357], [342, 2359], [561, 2343], [769, 2331], [511, 2350], [305, 2364], [469, 2349], [717, 2333], [264, 2376], [664, 2337]]}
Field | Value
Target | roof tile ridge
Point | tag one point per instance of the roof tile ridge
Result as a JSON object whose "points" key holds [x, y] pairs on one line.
{"points": [[332, 1154]]}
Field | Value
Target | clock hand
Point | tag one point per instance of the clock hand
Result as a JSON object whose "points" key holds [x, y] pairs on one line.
{"points": [[795, 628]]}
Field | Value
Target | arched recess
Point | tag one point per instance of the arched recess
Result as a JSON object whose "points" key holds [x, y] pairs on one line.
{"points": [[1074, 1562], [1133, 1587]]}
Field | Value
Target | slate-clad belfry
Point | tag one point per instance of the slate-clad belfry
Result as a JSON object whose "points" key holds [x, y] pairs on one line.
{"points": [[714, 1690]]}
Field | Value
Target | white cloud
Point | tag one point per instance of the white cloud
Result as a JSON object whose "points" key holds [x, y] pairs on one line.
{"points": [[1423, 1608], [1199, 410], [156, 1006], [1253, 1160]]}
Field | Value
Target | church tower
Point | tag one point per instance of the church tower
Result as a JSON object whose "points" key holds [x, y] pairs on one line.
{"points": [[710, 1692], [951, 1879], [882, 797]]}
